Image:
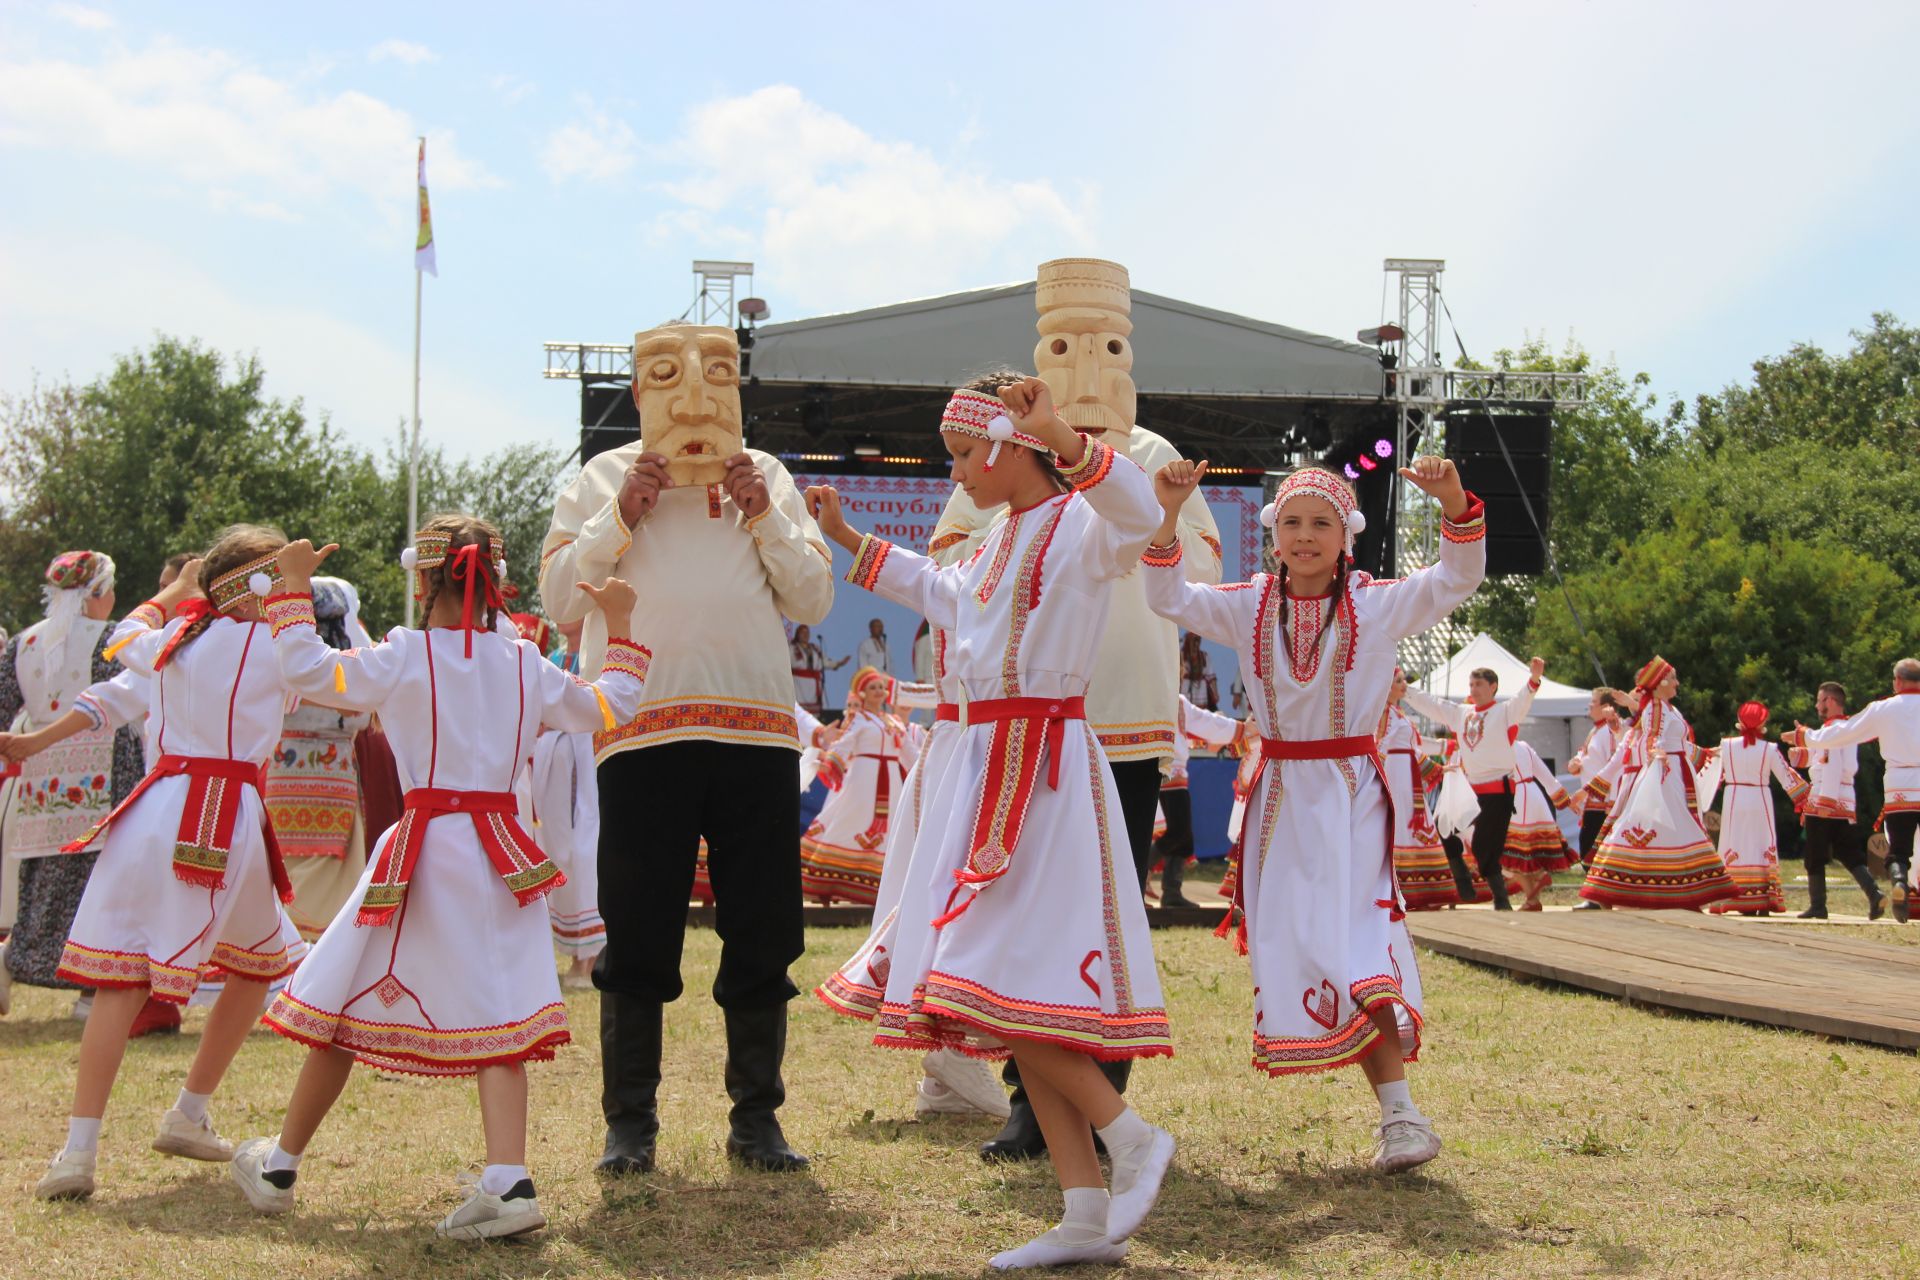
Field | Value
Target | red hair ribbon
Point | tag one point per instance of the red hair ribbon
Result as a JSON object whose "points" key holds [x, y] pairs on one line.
{"points": [[192, 609], [465, 569]]}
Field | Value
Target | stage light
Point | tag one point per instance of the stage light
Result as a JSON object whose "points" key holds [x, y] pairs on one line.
{"points": [[1383, 448], [1385, 333], [1351, 473]]}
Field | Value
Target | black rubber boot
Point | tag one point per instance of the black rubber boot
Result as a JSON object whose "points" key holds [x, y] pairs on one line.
{"points": [[1496, 877], [1173, 878], [1019, 1138], [756, 1046], [1876, 901], [630, 1029], [1816, 893], [1901, 912]]}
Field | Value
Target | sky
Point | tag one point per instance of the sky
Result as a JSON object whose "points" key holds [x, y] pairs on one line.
{"points": [[1681, 188]]}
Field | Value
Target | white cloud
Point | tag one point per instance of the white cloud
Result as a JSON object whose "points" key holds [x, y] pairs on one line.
{"points": [[80, 16], [208, 118], [401, 51], [838, 217], [512, 90], [596, 147]]}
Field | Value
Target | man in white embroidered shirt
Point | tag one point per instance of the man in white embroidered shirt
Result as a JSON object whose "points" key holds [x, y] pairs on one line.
{"points": [[718, 544], [1485, 731]]}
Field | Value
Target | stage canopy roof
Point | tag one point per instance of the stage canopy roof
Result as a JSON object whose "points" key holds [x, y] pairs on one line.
{"points": [[1181, 349]]}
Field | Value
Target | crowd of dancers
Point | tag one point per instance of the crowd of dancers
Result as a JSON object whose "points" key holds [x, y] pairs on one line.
{"points": [[1005, 849]]}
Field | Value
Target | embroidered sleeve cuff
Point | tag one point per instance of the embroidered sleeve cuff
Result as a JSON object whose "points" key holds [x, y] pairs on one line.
{"points": [[1470, 527], [625, 655], [1094, 465], [941, 541], [1213, 545], [93, 711], [150, 614], [284, 612], [866, 565], [1163, 557]]}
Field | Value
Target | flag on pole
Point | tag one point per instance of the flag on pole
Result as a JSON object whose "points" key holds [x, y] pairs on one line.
{"points": [[423, 245]]}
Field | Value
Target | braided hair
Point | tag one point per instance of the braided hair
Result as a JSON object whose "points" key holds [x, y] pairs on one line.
{"points": [[236, 545], [462, 531]]}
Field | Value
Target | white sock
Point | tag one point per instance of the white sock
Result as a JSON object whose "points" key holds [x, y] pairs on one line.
{"points": [[280, 1161], [498, 1179], [1085, 1219], [192, 1105], [1396, 1102], [1126, 1131], [83, 1134], [1080, 1237]]}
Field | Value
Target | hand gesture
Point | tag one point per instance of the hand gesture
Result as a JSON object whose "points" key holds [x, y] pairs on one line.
{"points": [[1030, 404], [1175, 482], [823, 504], [746, 486], [13, 748], [1438, 477], [615, 598], [640, 489], [1538, 666], [299, 559], [1574, 766], [183, 587]]}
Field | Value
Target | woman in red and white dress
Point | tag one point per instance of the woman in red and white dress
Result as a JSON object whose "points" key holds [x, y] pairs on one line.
{"points": [[1605, 709], [1419, 863], [1333, 969], [440, 963], [1654, 853], [1536, 847], [842, 853], [1742, 769]]}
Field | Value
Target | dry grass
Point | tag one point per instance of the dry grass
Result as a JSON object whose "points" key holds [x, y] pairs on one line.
{"points": [[1584, 1138]]}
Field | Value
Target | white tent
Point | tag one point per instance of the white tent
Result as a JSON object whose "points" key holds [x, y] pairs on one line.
{"points": [[1557, 722]]}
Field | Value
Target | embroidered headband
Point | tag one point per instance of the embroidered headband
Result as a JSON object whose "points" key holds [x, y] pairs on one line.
{"points": [[985, 417], [868, 676], [1650, 676], [1317, 482], [430, 546], [261, 577], [71, 570]]}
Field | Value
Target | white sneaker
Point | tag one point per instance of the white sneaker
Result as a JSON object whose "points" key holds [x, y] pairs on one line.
{"points": [[194, 1139], [972, 1078], [68, 1177], [1400, 1145], [1046, 1251], [932, 1098], [83, 1006], [485, 1217], [249, 1169], [1136, 1183]]}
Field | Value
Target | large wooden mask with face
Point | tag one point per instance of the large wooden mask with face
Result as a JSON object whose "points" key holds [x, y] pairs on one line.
{"points": [[686, 385]]}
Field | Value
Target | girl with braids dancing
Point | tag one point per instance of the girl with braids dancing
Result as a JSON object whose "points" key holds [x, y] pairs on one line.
{"points": [[1322, 923], [435, 966], [191, 875]]}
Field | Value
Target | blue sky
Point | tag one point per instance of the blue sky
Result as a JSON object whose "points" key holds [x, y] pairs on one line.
{"points": [[1682, 187]]}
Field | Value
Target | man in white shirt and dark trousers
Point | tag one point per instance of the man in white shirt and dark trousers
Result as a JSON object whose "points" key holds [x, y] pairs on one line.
{"points": [[1831, 757], [1895, 724], [873, 649], [1485, 731]]}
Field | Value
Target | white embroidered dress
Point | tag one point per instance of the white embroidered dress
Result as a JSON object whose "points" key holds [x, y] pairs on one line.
{"points": [[143, 921], [1749, 838], [566, 814], [461, 974], [1654, 853], [843, 851], [1042, 933], [1325, 936]]}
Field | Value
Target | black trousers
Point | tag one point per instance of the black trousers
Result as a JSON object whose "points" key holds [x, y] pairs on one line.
{"points": [[1590, 824], [1177, 845], [655, 805], [1490, 831], [1900, 832], [1832, 840], [1138, 782]]}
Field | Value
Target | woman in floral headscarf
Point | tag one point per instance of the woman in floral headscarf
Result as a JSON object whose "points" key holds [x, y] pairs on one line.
{"points": [[66, 789]]}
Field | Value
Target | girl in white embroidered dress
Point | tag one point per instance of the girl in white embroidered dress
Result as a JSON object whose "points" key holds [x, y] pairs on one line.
{"points": [[1019, 930], [842, 854], [1749, 840], [189, 876], [440, 963], [1333, 971]]}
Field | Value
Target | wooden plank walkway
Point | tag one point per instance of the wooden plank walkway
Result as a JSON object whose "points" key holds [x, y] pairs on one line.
{"points": [[1773, 972]]}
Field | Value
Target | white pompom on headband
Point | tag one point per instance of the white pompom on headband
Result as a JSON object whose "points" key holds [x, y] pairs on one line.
{"points": [[1316, 482]]}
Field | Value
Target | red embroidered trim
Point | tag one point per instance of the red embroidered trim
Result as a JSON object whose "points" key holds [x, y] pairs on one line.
{"points": [[867, 563], [727, 718], [289, 611], [1219, 552], [1471, 527], [418, 1051], [941, 541], [625, 655], [151, 614], [1164, 557], [1026, 595], [1095, 465]]}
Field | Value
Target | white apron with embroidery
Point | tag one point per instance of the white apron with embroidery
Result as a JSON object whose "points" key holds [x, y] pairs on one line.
{"points": [[64, 790], [566, 814]]}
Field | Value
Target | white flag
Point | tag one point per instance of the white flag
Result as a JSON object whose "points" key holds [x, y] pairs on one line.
{"points": [[423, 245]]}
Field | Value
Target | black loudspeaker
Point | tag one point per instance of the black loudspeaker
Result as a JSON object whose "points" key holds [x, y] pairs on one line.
{"points": [[1507, 482], [608, 418]]}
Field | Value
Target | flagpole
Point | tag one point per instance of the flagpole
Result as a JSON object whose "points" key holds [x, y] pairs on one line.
{"points": [[413, 448]]}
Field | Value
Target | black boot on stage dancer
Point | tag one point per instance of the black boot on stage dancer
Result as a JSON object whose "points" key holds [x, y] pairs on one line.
{"points": [[1816, 893], [630, 1028], [1876, 901], [1173, 879], [756, 1046], [1457, 863], [1019, 1138]]}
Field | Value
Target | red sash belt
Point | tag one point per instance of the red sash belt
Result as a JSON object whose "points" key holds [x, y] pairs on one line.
{"points": [[1023, 729], [524, 869], [947, 711], [207, 820]]}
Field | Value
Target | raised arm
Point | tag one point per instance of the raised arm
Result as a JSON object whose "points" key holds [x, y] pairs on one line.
{"points": [[798, 564], [1439, 710], [1863, 726], [908, 578], [1523, 700], [1122, 497], [1783, 773], [569, 704], [588, 533]]}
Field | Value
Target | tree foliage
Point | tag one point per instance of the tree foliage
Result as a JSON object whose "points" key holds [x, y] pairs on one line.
{"points": [[176, 443]]}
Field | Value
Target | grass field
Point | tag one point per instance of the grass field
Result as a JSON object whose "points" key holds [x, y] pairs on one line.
{"points": [[1585, 1138]]}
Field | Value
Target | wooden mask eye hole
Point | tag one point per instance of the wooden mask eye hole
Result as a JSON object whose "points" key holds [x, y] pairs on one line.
{"points": [[1059, 346], [1113, 346]]}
